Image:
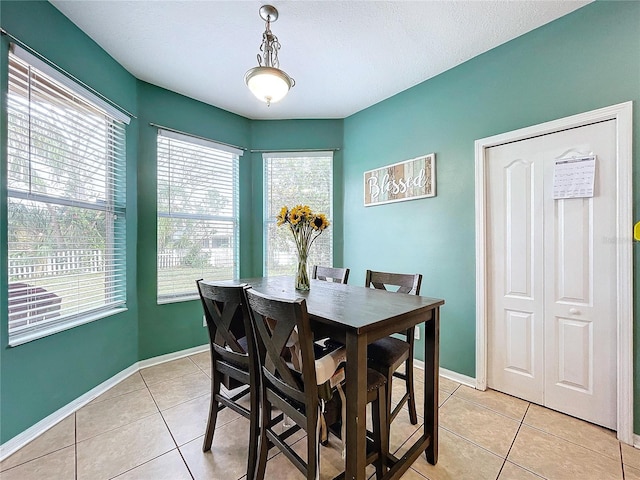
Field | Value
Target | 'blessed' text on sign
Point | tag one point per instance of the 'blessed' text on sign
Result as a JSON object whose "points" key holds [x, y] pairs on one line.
{"points": [[406, 180]]}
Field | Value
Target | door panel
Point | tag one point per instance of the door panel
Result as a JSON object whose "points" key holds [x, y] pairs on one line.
{"points": [[552, 276], [519, 343], [519, 255], [514, 240], [580, 305], [573, 240], [575, 352]]}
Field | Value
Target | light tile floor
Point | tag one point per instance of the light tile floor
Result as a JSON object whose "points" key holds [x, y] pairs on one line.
{"points": [[150, 426]]}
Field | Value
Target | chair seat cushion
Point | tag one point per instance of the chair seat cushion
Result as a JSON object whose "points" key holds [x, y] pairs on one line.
{"points": [[388, 352], [374, 380], [333, 408]]}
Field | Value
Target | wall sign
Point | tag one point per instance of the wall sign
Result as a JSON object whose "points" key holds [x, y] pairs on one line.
{"points": [[407, 180]]}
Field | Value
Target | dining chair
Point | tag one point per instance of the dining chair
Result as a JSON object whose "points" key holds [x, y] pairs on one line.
{"points": [[389, 353], [302, 395], [233, 360], [335, 275], [330, 274]]}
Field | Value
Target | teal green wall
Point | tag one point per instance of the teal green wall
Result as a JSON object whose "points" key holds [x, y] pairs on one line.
{"points": [[586, 60], [39, 377], [290, 135], [177, 326]]}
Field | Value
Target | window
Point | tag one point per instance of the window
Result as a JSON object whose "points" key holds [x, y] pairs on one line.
{"points": [[66, 202], [296, 179], [197, 214]]}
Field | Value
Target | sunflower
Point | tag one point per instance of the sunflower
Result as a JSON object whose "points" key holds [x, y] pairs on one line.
{"points": [[305, 210], [304, 224], [295, 215], [282, 216], [320, 222]]}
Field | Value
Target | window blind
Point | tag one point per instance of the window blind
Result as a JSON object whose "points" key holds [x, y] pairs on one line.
{"points": [[66, 204], [291, 179], [197, 227]]}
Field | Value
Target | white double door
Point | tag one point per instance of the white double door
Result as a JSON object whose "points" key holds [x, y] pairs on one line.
{"points": [[552, 276]]}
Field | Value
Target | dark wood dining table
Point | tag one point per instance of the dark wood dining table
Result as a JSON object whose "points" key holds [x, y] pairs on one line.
{"points": [[358, 316]]}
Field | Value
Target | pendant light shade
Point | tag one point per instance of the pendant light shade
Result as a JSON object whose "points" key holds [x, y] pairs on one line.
{"points": [[267, 82]]}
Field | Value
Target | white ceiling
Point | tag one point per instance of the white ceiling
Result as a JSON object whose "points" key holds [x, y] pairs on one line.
{"points": [[344, 55]]}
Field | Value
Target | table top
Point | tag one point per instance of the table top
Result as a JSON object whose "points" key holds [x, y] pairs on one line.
{"points": [[357, 308]]}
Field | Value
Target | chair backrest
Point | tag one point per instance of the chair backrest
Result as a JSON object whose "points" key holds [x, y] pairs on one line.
{"points": [[228, 324], [273, 321], [394, 282], [330, 274], [398, 283]]}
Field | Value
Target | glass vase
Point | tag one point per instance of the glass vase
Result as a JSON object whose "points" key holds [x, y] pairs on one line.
{"points": [[302, 277]]}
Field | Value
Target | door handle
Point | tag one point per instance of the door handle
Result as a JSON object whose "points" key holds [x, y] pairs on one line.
{"points": [[574, 311]]}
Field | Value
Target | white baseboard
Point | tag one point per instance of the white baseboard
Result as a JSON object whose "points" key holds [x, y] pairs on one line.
{"points": [[31, 433], [150, 362], [451, 375], [636, 440], [458, 377]]}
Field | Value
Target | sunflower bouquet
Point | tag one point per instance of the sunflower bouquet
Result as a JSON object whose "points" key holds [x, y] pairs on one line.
{"points": [[305, 226]]}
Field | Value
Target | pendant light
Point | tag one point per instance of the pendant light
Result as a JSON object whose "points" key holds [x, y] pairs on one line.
{"points": [[266, 81]]}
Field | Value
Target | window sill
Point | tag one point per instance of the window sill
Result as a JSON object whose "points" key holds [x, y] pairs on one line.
{"points": [[186, 298], [30, 335]]}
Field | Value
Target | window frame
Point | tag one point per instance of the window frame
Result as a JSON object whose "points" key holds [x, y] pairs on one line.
{"points": [[233, 219], [113, 205], [270, 218]]}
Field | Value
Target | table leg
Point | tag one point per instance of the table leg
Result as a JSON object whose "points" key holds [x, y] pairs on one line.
{"points": [[356, 406], [431, 384]]}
